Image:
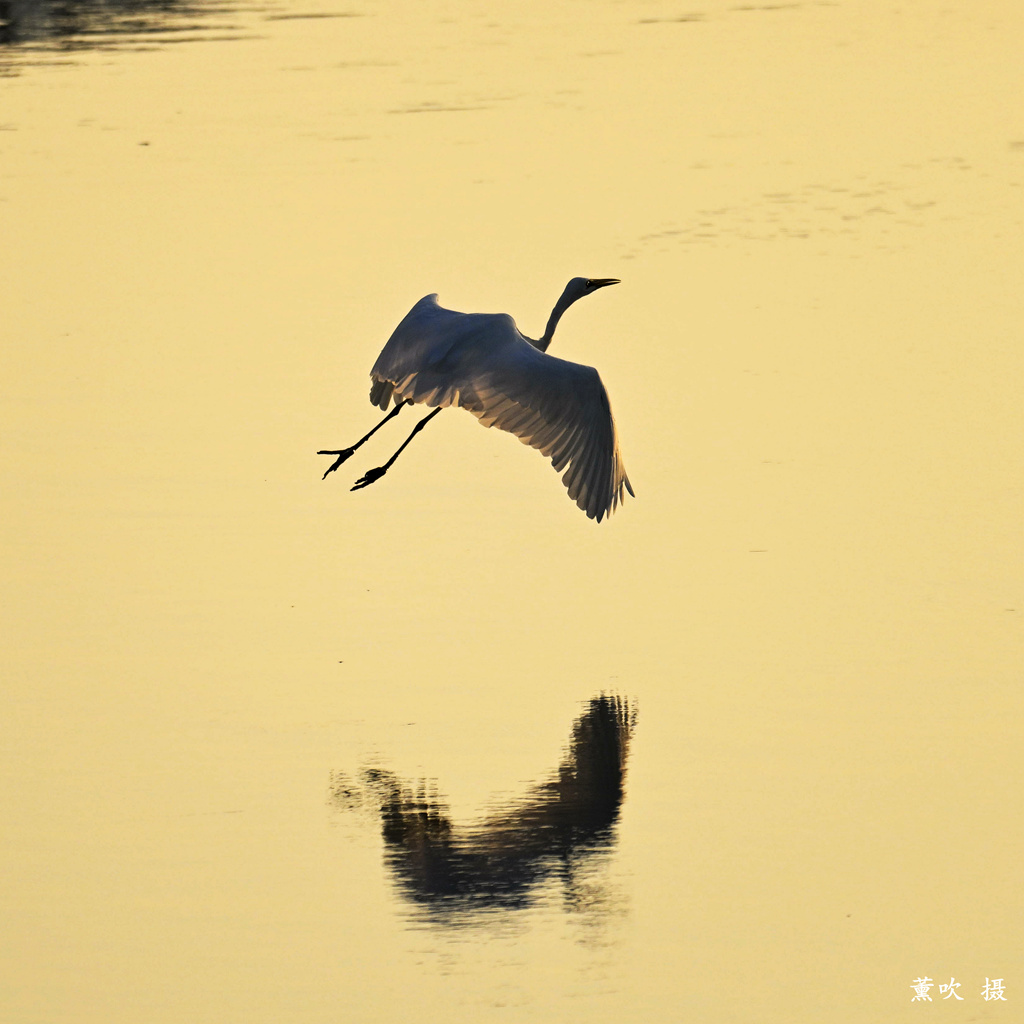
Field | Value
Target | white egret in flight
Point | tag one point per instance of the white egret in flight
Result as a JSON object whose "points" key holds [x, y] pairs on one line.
{"points": [[482, 362]]}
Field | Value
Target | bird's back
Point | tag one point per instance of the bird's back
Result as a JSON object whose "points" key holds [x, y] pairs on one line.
{"points": [[434, 352]]}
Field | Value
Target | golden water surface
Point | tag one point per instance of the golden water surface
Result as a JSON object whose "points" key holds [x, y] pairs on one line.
{"points": [[444, 749]]}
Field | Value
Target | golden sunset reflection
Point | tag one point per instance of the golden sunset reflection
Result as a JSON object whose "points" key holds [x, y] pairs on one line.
{"points": [[275, 750]]}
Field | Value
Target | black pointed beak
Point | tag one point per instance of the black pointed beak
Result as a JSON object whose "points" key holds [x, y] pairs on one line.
{"points": [[602, 282]]}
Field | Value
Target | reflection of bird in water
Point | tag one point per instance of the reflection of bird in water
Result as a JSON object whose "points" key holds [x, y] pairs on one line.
{"points": [[483, 363], [494, 863]]}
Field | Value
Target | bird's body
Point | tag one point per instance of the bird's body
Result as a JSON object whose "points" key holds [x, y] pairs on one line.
{"points": [[483, 363]]}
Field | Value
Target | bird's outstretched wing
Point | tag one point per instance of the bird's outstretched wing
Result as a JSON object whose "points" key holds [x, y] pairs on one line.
{"points": [[481, 362]]}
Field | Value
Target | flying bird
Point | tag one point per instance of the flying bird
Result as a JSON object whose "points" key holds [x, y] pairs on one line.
{"points": [[483, 363]]}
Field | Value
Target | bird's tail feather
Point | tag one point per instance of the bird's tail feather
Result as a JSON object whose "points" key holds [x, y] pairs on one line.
{"points": [[380, 392]]}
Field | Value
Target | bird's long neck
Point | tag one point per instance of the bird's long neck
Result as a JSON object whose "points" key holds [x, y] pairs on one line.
{"points": [[556, 314]]}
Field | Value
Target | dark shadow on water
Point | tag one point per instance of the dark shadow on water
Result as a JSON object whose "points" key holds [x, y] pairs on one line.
{"points": [[69, 25], [559, 828]]}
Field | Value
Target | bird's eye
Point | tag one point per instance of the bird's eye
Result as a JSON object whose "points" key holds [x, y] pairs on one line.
{"points": [[589, 283]]}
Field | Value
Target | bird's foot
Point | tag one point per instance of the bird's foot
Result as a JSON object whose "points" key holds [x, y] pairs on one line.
{"points": [[369, 477], [344, 454]]}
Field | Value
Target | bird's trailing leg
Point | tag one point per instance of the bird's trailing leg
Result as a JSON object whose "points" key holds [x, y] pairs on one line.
{"points": [[375, 474], [346, 453]]}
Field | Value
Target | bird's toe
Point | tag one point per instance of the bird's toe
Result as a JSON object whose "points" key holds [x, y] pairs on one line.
{"points": [[344, 454], [369, 477]]}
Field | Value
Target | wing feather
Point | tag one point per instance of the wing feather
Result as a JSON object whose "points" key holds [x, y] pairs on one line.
{"points": [[561, 453], [481, 362]]}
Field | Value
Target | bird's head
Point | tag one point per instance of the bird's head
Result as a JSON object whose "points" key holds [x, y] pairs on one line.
{"points": [[580, 286]]}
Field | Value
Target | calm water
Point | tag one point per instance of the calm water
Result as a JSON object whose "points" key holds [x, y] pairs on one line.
{"points": [[276, 751]]}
